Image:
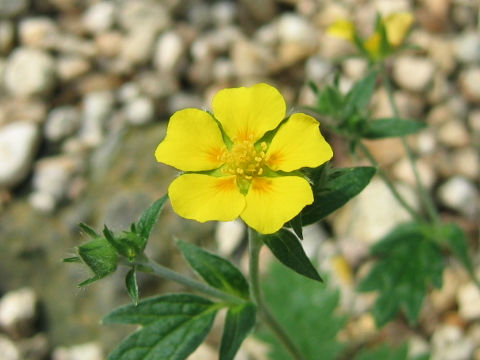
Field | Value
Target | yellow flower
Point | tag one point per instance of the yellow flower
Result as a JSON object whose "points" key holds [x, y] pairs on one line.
{"points": [[396, 27], [233, 165]]}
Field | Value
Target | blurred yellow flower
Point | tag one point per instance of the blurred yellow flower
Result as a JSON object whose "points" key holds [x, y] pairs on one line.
{"points": [[394, 28], [236, 166]]}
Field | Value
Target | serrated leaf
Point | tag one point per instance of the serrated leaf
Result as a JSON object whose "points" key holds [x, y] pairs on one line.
{"points": [[100, 257], [172, 327], [238, 324], [360, 94], [88, 230], [215, 270], [390, 127], [132, 286], [288, 250], [149, 218], [408, 264], [296, 224], [307, 310], [341, 185]]}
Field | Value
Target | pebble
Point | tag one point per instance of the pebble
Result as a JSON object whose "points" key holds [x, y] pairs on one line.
{"points": [[128, 91], [474, 121], [35, 347], [7, 32], [149, 14], [459, 194], [38, 32], [466, 162], [138, 46], [169, 51], [182, 100], [317, 69], [61, 122], [467, 47], [403, 171], [69, 44], [453, 133], [18, 144], [204, 351], [99, 17], [12, 8], [441, 51], [97, 107], [355, 68], [413, 73], [29, 72], [109, 43], [297, 29], [13, 110], [470, 84], [468, 298], [224, 13], [9, 350], [71, 67], [88, 351], [140, 111], [449, 343], [229, 235], [18, 311]]}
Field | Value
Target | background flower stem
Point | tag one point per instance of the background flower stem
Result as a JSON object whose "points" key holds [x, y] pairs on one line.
{"points": [[255, 244]]}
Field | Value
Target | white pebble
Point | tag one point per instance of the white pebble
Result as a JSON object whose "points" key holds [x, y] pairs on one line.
{"points": [[18, 311], [459, 194], [140, 111]]}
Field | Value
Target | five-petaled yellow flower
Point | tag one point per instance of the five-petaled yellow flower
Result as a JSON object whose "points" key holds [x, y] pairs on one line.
{"points": [[241, 161], [396, 27]]}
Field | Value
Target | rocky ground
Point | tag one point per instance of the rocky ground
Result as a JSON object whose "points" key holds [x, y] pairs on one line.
{"points": [[86, 87]]}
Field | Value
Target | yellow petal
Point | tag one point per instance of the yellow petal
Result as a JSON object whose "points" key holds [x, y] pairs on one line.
{"points": [[203, 198], [298, 143], [247, 113], [372, 44], [343, 29], [193, 142], [271, 202], [397, 26]]}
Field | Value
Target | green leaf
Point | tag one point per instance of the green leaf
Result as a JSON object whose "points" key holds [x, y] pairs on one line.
{"points": [[384, 352], [238, 324], [74, 259], [296, 224], [149, 218], [408, 264], [288, 250], [390, 127], [132, 286], [341, 185], [172, 327], [215, 270], [360, 94], [88, 230], [452, 236], [100, 257], [128, 244], [307, 309]]}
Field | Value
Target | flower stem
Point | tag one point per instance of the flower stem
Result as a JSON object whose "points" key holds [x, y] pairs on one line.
{"points": [[424, 195], [145, 264], [388, 182], [255, 244]]}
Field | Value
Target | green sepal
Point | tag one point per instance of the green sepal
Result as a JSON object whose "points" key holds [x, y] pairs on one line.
{"points": [[100, 257], [131, 284], [215, 270], [148, 220], [73, 259], [340, 186], [390, 127], [128, 244], [173, 326], [88, 230], [288, 250], [239, 322], [408, 264]]}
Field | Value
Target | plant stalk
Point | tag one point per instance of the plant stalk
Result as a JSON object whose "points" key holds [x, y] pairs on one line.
{"points": [[255, 244]]}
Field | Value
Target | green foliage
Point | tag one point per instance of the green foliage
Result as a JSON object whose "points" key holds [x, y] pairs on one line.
{"points": [[216, 271], [88, 230], [408, 263], [307, 309], [296, 225], [359, 96], [390, 127], [149, 219], [173, 326], [238, 324], [339, 187], [131, 284], [288, 250], [100, 257]]}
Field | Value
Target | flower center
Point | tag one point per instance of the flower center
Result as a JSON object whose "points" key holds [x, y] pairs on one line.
{"points": [[245, 160]]}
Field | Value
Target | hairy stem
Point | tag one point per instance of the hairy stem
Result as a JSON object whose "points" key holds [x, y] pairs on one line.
{"points": [[255, 244]]}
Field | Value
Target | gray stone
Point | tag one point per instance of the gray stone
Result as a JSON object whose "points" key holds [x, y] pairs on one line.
{"points": [[18, 144], [317, 69], [9, 350], [6, 36], [18, 311], [224, 12], [128, 92], [449, 343], [34, 348], [150, 14], [467, 47], [453, 133], [169, 51], [97, 107], [72, 67], [99, 17], [70, 44], [39, 32], [182, 100], [470, 84], [11, 8], [459, 194], [413, 73], [468, 298], [88, 351], [466, 162], [140, 111], [29, 72], [61, 122], [138, 46], [229, 235]]}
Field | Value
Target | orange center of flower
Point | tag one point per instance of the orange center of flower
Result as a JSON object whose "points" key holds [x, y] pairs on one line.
{"points": [[245, 160]]}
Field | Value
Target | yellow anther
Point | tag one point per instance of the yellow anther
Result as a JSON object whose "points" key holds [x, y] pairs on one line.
{"points": [[239, 171], [248, 177], [260, 171], [258, 159], [263, 145]]}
